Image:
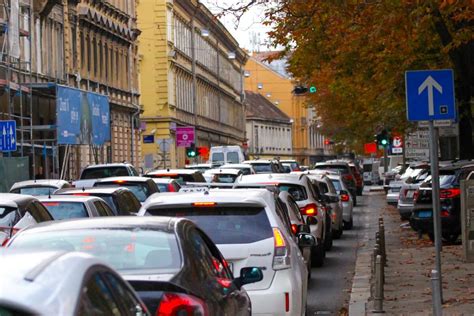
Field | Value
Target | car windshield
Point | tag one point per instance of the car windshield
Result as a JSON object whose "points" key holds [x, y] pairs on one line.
{"points": [[232, 157], [40, 190], [180, 178], [104, 172], [163, 187], [298, 192], [129, 250], [337, 184], [218, 157], [447, 178], [8, 217], [64, 210], [225, 225], [224, 178], [341, 168], [140, 190], [262, 167], [108, 198]]}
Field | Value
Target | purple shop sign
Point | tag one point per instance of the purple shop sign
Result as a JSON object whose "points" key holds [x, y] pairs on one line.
{"points": [[185, 136]]}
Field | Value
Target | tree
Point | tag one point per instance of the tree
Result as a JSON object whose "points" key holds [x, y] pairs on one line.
{"points": [[357, 53]]}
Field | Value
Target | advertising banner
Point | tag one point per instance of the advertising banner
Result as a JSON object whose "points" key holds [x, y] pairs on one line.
{"points": [[82, 117]]}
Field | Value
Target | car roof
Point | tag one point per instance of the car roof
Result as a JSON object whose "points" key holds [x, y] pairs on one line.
{"points": [[99, 190], [235, 165], [272, 178], [15, 200], [115, 164], [163, 180], [68, 198], [124, 178], [457, 166], [225, 171], [162, 223], [43, 281], [260, 161], [288, 160], [172, 171], [333, 162], [199, 165], [38, 183]]}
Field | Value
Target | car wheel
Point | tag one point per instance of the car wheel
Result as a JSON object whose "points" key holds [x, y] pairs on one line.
{"points": [[451, 238], [336, 234], [328, 241], [317, 256], [348, 225]]}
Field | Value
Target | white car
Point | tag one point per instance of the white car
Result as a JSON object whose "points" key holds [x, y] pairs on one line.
{"points": [[250, 228], [346, 199], [220, 175], [246, 168], [39, 187], [300, 187]]}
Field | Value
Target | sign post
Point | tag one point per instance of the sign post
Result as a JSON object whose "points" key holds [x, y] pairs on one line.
{"points": [[430, 97]]}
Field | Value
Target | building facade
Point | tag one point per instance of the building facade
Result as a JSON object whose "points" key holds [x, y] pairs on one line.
{"points": [[87, 49], [269, 130], [190, 75], [271, 81]]}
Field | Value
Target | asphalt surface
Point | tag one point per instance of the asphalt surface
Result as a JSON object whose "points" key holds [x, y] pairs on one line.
{"points": [[330, 285]]}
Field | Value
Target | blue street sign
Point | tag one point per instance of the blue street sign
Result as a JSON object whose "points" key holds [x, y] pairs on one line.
{"points": [[7, 135], [430, 95]]}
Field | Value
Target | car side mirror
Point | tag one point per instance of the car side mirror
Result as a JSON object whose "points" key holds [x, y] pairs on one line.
{"points": [[248, 275], [304, 228], [306, 240]]}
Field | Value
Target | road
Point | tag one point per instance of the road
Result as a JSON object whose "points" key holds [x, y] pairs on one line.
{"points": [[329, 289]]}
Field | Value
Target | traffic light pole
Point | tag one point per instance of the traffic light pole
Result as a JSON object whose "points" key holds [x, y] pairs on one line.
{"points": [[385, 159]]}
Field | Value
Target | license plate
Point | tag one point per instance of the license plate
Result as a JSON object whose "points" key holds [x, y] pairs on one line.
{"points": [[424, 214], [193, 189], [410, 194]]}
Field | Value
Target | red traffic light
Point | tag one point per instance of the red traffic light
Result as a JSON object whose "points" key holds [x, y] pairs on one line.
{"points": [[203, 152]]}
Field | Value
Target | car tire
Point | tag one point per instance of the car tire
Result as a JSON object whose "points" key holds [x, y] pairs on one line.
{"points": [[317, 256], [348, 225], [336, 234], [451, 238], [328, 241]]}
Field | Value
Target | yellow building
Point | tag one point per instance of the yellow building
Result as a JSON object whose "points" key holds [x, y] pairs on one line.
{"points": [[190, 75], [271, 81]]}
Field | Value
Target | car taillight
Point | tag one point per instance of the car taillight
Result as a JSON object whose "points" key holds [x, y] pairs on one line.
{"points": [[204, 204], [449, 193], [175, 304], [310, 209], [345, 197], [349, 177], [444, 213], [294, 229], [281, 257], [416, 194], [171, 188]]}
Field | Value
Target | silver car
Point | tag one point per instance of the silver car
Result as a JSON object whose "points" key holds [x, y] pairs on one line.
{"points": [[39, 187], [72, 206], [63, 283], [346, 199]]}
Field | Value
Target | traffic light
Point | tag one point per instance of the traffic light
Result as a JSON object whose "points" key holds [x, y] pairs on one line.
{"points": [[328, 141], [383, 138], [191, 151], [313, 89], [203, 152], [300, 89]]}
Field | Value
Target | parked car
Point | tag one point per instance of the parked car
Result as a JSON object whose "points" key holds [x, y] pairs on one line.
{"points": [[121, 200], [180, 175], [39, 187], [222, 175], [359, 179], [167, 185], [93, 172], [302, 190], [69, 206], [406, 195], [246, 168], [221, 155], [416, 172], [330, 196], [18, 211], [450, 178], [248, 227], [346, 199], [141, 187], [371, 172], [346, 174], [266, 166], [292, 164], [172, 264], [63, 283]]}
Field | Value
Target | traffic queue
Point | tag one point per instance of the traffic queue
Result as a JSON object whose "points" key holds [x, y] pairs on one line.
{"points": [[235, 239]]}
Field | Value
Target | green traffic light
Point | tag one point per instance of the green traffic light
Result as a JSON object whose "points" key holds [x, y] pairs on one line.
{"points": [[312, 89], [384, 142]]}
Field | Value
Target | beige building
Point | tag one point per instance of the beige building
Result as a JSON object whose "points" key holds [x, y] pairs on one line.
{"points": [[86, 48], [190, 75]]}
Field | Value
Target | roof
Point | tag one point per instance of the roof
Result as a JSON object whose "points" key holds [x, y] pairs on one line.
{"points": [[163, 223], [259, 107], [223, 171], [39, 183], [98, 190], [270, 178], [67, 198], [118, 164], [124, 178], [13, 200], [172, 171]]}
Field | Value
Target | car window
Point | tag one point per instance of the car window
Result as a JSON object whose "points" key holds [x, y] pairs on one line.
{"points": [[232, 157], [314, 190], [109, 199], [323, 187], [217, 157], [107, 208], [35, 191], [225, 225], [39, 212], [8, 217], [224, 178], [134, 172], [140, 190], [331, 188], [104, 172], [295, 209], [262, 168], [135, 250], [337, 184], [132, 202], [298, 192], [163, 187], [100, 208], [97, 299], [127, 298], [282, 212], [65, 210]]}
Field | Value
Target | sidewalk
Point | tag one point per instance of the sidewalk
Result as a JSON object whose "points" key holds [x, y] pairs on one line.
{"points": [[410, 261]]}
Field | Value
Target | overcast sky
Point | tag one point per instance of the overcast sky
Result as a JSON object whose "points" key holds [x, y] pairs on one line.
{"points": [[251, 33]]}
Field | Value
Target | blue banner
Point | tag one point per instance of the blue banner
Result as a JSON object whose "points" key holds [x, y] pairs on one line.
{"points": [[82, 117]]}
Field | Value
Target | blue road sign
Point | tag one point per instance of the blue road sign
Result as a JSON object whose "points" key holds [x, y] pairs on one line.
{"points": [[430, 95], [7, 135]]}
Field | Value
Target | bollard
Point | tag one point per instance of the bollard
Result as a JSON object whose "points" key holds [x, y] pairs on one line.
{"points": [[378, 297], [435, 292], [374, 258], [382, 245]]}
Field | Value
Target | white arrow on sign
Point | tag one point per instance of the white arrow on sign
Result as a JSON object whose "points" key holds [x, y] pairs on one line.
{"points": [[429, 84], [11, 135]]}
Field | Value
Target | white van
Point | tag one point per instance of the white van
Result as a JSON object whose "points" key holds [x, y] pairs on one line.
{"points": [[371, 172], [220, 155]]}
